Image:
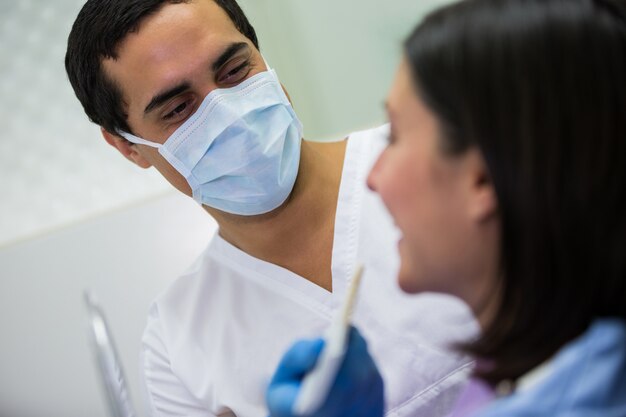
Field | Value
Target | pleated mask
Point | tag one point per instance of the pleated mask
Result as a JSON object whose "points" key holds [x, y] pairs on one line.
{"points": [[240, 150]]}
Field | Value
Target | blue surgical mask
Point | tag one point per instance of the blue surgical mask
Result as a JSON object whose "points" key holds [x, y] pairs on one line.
{"points": [[240, 150]]}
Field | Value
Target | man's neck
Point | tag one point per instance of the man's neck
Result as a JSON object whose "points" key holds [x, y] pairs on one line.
{"points": [[298, 235]]}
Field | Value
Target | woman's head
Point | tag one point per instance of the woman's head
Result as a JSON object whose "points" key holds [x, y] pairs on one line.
{"points": [[528, 107], [444, 204]]}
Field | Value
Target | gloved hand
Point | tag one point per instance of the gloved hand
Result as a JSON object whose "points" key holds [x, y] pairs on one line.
{"points": [[357, 391]]}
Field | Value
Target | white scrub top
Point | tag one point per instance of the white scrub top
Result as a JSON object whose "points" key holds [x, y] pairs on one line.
{"points": [[214, 338]]}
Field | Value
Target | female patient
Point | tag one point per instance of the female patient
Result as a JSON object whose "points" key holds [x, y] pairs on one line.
{"points": [[506, 171]]}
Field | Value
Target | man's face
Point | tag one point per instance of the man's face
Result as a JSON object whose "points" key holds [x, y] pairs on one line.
{"points": [[166, 69]]}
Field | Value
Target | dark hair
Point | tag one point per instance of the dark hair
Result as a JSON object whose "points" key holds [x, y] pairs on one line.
{"points": [[539, 87], [96, 34]]}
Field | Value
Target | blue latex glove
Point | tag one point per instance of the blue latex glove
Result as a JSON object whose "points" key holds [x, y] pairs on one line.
{"points": [[357, 391]]}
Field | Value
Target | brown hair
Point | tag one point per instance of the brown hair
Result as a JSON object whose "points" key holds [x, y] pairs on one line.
{"points": [[539, 87]]}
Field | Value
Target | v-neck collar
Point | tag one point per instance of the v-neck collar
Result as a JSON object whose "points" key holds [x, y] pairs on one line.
{"points": [[344, 251]]}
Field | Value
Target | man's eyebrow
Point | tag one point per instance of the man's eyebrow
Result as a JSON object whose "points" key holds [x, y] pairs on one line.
{"points": [[227, 54], [164, 96]]}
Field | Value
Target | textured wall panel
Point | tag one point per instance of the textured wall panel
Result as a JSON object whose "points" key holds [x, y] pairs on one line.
{"points": [[54, 166]]}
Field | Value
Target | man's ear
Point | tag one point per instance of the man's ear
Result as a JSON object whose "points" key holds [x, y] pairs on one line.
{"points": [[484, 201], [129, 150]]}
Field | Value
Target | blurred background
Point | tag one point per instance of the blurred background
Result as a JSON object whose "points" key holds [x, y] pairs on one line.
{"points": [[74, 214]]}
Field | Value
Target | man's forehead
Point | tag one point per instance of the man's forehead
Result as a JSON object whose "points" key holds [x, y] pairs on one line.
{"points": [[178, 36], [186, 23], [175, 19]]}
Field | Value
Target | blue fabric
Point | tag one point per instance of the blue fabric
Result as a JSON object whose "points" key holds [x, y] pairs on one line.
{"points": [[587, 378]]}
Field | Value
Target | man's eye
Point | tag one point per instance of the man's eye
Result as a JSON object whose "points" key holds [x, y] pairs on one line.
{"points": [[177, 111], [236, 74]]}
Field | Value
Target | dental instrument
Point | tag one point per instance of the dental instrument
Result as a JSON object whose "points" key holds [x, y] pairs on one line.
{"points": [[316, 385], [108, 361]]}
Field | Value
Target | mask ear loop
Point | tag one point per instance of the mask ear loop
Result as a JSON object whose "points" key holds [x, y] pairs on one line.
{"points": [[138, 141], [273, 72], [267, 65]]}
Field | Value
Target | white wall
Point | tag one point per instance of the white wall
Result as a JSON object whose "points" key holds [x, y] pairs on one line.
{"points": [[126, 257], [54, 168], [74, 214]]}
